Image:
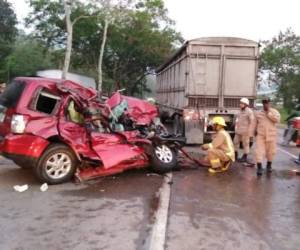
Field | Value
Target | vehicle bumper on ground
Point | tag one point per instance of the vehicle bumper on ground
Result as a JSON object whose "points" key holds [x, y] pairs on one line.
{"points": [[19, 147]]}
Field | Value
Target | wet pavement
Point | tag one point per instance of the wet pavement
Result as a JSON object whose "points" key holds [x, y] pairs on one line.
{"points": [[234, 210], [110, 213]]}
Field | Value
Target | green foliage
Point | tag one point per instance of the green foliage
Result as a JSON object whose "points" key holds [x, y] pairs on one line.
{"points": [[8, 32], [141, 39], [284, 114], [27, 58], [281, 56]]}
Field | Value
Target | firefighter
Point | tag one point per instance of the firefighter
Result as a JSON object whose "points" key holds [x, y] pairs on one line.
{"points": [[266, 135], [243, 131], [220, 153]]}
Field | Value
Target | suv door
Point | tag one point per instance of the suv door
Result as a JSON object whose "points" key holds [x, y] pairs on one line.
{"points": [[72, 129], [113, 149]]}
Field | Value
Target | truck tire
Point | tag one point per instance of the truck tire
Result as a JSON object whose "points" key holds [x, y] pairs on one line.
{"points": [[207, 138], [164, 116], [57, 165], [178, 125], [163, 159]]}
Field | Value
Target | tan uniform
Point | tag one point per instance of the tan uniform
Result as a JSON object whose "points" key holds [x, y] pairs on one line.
{"points": [[266, 139], [244, 129], [221, 149]]}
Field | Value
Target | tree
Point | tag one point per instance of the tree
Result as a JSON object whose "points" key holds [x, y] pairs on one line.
{"points": [[281, 56], [139, 39], [111, 10], [8, 32], [139, 45], [27, 58], [70, 24], [48, 19]]}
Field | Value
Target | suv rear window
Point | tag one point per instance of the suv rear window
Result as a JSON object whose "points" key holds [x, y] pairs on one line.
{"points": [[11, 95], [46, 102]]}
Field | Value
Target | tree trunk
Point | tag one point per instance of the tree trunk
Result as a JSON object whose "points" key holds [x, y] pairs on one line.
{"points": [[100, 61], [69, 40]]}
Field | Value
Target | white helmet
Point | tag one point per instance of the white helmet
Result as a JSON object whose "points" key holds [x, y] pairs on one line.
{"points": [[245, 101], [151, 100]]}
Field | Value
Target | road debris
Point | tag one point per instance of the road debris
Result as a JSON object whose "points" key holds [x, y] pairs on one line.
{"points": [[21, 189], [44, 187]]}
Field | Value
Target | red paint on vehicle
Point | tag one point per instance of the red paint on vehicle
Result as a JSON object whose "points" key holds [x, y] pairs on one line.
{"points": [[111, 152], [91, 173], [27, 145]]}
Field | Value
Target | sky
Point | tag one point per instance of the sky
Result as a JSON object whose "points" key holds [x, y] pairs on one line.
{"points": [[252, 19]]}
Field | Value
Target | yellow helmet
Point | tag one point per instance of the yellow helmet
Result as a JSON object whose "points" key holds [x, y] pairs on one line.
{"points": [[218, 120]]}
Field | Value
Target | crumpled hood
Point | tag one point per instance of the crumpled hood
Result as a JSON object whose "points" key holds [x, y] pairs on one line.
{"points": [[141, 111]]}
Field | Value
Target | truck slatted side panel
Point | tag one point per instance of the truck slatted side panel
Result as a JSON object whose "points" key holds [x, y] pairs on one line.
{"points": [[203, 102], [210, 75], [235, 102]]}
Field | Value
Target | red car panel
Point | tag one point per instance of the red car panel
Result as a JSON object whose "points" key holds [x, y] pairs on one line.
{"points": [[27, 145], [99, 153]]}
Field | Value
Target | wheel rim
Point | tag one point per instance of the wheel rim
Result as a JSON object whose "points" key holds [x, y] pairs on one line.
{"points": [[164, 154], [58, 165]]}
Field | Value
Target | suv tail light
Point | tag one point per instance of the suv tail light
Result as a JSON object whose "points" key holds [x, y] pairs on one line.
{"points": [[18, 124]]}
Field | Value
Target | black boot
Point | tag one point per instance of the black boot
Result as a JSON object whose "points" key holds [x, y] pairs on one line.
{"points": [[269, 167], [244, 158], [260, 170]]}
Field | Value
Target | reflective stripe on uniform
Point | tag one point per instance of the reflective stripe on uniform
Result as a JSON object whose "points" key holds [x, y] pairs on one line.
{"points": [[216, 161], [230, 153]]}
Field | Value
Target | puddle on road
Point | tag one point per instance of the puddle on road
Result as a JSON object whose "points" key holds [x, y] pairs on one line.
{"points": [[123, 188]]}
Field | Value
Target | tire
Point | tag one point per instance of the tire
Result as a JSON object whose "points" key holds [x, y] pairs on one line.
{"points": [[178, 125], [163, 159], [45, 169]]}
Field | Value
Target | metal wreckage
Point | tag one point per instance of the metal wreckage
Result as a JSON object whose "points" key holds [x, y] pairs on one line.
{"points": [[61, 129]]}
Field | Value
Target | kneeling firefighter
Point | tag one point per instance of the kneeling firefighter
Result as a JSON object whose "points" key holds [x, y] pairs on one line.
{"points": [[220, 153]]}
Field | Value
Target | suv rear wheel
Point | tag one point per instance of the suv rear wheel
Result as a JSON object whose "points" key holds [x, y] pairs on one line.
{"points": [[57, 165]]}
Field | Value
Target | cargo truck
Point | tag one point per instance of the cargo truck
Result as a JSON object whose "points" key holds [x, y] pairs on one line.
{"points": [[204, 78]]}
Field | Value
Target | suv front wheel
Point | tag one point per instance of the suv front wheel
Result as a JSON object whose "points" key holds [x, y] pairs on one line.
{"points": [[57, 165], [163, 159]]}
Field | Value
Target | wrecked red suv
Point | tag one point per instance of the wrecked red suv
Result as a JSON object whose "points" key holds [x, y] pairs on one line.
{"points": [[61, 129]]}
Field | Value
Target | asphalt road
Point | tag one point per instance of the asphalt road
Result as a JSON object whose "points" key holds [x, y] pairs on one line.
{"points": [[110, 213], [234, 210]]}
